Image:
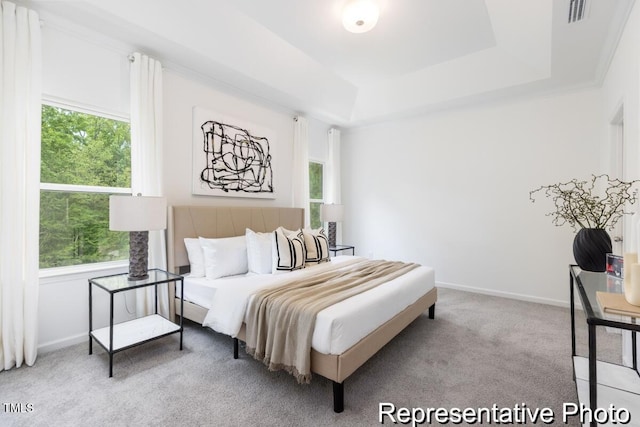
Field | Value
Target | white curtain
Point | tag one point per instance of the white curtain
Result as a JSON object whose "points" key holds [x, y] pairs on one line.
{"points": [[333, 175], [20, 115], [301, 166], [146, 161]]}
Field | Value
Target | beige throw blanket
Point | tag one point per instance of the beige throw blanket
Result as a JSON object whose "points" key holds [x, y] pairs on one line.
{"points": [[280, 320]]}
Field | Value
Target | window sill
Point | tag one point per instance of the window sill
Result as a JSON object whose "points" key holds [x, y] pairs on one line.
{"points": [[82, 269]]}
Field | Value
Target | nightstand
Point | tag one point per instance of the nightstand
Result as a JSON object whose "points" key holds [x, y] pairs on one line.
{"points": [[122, 336], [339, 248]]}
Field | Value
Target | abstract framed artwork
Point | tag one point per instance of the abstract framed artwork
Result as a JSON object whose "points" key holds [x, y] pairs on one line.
{"points": [[231, 157]]}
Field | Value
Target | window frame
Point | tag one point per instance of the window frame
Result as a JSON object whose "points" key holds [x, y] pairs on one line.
{"points": [[75, 188], [324, 186]]}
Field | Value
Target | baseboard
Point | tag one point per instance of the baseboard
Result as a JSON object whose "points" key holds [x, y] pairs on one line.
{"points": [[510, 295], [65, 342]]}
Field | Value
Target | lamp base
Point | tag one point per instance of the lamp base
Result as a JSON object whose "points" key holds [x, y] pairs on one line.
{"points": [[332, 234], [138, 255]]}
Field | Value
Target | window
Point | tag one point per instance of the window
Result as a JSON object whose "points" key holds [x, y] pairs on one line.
{"points": [[316, 192], [84, 159]]}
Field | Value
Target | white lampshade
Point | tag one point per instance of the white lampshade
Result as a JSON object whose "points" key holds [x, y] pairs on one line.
{"points": [[331, 213], [360, 16], [137, 213]]}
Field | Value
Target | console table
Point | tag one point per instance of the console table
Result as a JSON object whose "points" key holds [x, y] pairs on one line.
{"points": [[600, 382]]}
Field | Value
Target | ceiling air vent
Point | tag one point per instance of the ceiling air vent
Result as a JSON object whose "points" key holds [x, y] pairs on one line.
{"points": [[577, 10]]}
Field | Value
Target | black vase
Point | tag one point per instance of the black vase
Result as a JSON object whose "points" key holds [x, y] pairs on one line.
{"points": [[590, 248]]}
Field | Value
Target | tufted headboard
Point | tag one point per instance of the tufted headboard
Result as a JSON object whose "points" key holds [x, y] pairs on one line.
{"points": [[217, 221]]}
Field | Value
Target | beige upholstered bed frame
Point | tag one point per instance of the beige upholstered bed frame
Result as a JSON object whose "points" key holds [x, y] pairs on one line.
{"points": [[215, 222]]}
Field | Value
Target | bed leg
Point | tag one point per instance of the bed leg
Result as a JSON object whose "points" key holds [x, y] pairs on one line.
{"points": [[338, 397], [432, 311], [235, 348]]}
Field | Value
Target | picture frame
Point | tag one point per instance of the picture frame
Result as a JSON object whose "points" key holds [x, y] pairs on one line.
{"points": [[231, 157]]}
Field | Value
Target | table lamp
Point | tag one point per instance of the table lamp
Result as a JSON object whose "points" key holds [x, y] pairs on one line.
{"points": [[331, 213], [138, 215]]}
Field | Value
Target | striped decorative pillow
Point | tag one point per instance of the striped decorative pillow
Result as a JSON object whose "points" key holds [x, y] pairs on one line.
{"points": [[288, 250], [316, 245]]}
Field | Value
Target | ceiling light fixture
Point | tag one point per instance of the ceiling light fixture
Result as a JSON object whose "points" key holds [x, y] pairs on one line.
{"points": [[360, 16]]}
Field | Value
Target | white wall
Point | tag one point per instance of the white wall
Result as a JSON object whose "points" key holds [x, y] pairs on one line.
{"points": [[84, 69], [451, 191], [621, 87], [181, 94], [318, 140]]}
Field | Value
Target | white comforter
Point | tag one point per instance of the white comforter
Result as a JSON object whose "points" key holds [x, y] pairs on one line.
{"points": [[337, 327]]}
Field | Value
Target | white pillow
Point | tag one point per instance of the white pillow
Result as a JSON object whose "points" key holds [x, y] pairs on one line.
{"points": [[258, 251], [224, 257], [316, 245], [196, 256], [288, 250]]}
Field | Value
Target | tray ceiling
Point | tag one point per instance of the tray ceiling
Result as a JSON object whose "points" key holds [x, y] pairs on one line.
{"points": [[423, 55]]}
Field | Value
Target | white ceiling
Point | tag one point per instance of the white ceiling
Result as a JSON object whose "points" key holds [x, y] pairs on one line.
{"points": [[424, 55]]}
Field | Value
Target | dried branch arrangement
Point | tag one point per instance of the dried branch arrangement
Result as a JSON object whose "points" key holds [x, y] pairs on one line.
{"points": [[598, 203]]}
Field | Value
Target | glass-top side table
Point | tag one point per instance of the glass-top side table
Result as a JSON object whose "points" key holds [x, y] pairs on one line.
{"points": [[121, 282], [617, 383], [339, 248], [122, 336]]}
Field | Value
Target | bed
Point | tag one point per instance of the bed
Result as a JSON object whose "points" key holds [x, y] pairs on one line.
{"points": [[334, 359]]}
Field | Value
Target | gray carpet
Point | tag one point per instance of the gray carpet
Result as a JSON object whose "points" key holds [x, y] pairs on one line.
{"points": [[479, 350]]}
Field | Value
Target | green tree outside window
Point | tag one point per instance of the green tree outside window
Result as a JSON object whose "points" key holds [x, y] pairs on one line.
{"points": [[316, 192], [80, 153]]}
